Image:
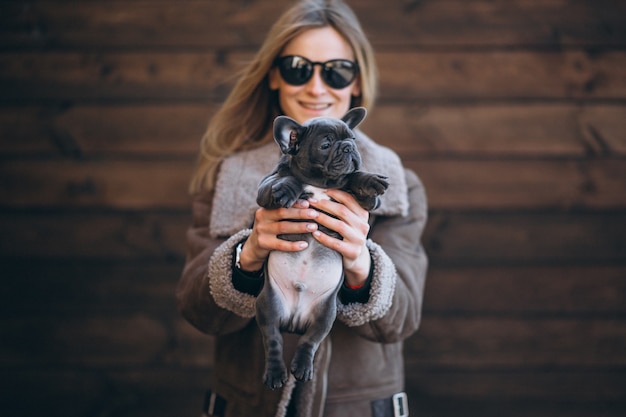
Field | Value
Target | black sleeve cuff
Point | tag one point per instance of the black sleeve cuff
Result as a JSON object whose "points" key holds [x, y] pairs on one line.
{"points": [[360, 295], [247, 282]]}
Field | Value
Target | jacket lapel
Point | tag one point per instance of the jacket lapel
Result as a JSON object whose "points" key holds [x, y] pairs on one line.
{"points": [[234, 202]]}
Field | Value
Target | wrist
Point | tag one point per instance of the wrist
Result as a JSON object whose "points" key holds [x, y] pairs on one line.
{"points": [[244, 262], [356, 276]]}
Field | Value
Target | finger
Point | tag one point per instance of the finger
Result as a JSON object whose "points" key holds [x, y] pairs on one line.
{"points": [[340, 213], [289, 227], [273, 215], [346, 199], [288, 246], [329, 241]]}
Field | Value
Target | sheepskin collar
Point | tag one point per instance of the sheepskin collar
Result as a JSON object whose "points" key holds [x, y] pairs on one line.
{"points": [[234, 202]]}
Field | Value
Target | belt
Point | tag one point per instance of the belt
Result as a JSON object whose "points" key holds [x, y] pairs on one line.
{"points": [[214, 405], [396, 406]]}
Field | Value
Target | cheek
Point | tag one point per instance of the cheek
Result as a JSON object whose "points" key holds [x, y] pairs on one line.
{"points": [[287, 95], [356, 87]]}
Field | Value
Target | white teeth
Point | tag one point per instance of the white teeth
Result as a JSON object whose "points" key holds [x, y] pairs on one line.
{"points": [[315, 106]]}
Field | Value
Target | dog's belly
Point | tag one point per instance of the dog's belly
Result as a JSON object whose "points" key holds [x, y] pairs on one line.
{"points": [[302, 280]]}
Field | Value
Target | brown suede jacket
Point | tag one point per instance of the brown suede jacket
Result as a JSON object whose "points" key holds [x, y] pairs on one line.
{"points": [[361, 360]]}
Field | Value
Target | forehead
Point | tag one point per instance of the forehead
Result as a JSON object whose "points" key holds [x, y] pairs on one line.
{"points": [[323, 125], [320, 45]]}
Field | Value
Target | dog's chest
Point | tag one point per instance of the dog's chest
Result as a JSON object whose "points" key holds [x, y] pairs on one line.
{"points": [[303, 279]]}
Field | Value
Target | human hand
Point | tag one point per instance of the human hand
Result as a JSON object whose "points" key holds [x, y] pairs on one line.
{"points": [[268, 224], [352, 224]]}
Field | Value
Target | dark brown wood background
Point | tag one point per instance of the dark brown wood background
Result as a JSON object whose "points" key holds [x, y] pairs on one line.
{"points": [[513, 112]]}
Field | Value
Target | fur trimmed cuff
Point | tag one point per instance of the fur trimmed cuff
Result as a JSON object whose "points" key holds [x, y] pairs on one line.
{"points": [[381, 292], [220, 278]]}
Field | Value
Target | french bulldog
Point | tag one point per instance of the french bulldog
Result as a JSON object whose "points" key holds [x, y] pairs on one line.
{"points": [[300, 289]]}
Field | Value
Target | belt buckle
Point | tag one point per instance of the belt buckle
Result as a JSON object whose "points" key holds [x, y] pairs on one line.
{"points": [[400, 405]]}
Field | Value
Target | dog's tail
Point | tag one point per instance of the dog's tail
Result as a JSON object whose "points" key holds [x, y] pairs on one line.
{"points": [[304, 397], [286, 396]]}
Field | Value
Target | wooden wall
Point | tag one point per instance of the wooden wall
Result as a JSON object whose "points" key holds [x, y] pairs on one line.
{"points": [[513, 112]]}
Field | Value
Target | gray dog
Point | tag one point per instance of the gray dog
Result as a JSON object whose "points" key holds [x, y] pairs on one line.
{"points": [[299, 295]]}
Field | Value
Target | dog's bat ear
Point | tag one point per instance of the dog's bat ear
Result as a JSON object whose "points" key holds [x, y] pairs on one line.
{"points": [[354, 117], [286, 132]]}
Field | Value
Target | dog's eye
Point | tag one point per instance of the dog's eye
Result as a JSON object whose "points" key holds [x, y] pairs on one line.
{"points": [[324, 146]]}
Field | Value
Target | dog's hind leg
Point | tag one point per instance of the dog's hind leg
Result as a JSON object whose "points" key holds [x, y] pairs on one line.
{"points": [[268, 318], [321, 323]]}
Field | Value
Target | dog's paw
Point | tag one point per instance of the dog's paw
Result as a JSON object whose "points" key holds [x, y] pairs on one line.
{"points": [[275, 378], [286, 192], [376, 185], [302, 363], [302, 371]]}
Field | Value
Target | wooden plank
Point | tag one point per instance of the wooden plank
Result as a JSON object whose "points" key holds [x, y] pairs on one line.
{"points": [[553, 385], [450, 184], [101, 236], [412, 130], [95, 130], [164, 392], [501, 75], [607, 127], [121, 184], [491, 343], [107, 341], [74, 75], [503, 130], [103, 341], [78, 392], [244, 24], [415, 76], [89, 288], [563, 290], [475, 238], [95, 288], [517, 393], [459, 239], [505, 184], [447, 343]]}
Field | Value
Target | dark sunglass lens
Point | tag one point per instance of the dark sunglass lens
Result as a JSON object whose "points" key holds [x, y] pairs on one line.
{"points": [[295, 70], [339, 74]]}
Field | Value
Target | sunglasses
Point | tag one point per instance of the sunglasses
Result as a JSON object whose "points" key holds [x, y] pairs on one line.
{"points": [[336, 73]]}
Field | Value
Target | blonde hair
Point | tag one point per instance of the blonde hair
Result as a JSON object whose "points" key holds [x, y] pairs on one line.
{"points": [[244, 120]]}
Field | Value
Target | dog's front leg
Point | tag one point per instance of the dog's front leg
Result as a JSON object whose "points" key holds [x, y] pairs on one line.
{"points": [[277, 191], [367, 188]]}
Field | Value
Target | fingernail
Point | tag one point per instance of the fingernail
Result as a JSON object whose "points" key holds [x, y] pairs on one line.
{"points": [[303, 245], [311, 227], [313, 200], [317, 233], [313, 213]]}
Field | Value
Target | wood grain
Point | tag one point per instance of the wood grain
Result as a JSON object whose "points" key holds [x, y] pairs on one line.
{"points": [[411, 76], [451, 184], [194, 23], [412, 130], [512, 112]]}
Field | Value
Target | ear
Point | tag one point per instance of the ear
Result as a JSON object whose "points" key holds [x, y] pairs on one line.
{"points": [[274, 79], [286, 133], [354, 117]]}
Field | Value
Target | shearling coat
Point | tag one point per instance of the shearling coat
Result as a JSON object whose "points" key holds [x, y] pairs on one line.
{"points": [[361, 360]]}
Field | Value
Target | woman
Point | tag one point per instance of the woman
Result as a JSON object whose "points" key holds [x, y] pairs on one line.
{"points": [[315, 61]]}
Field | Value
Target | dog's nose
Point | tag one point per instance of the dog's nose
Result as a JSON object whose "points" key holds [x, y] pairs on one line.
{"points": [[346, 147]]}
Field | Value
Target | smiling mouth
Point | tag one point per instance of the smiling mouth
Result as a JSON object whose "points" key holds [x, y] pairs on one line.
{"points": [[312, 106]]}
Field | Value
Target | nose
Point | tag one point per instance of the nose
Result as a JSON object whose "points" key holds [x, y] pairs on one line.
{"points": [[346, 147], [316, 85]]}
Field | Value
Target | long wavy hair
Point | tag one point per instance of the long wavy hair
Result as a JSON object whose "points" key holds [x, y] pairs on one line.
{"points": [[244, 120]]}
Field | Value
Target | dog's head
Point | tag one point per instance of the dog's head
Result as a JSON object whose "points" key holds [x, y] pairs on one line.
{"points": [[321, 148]]}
